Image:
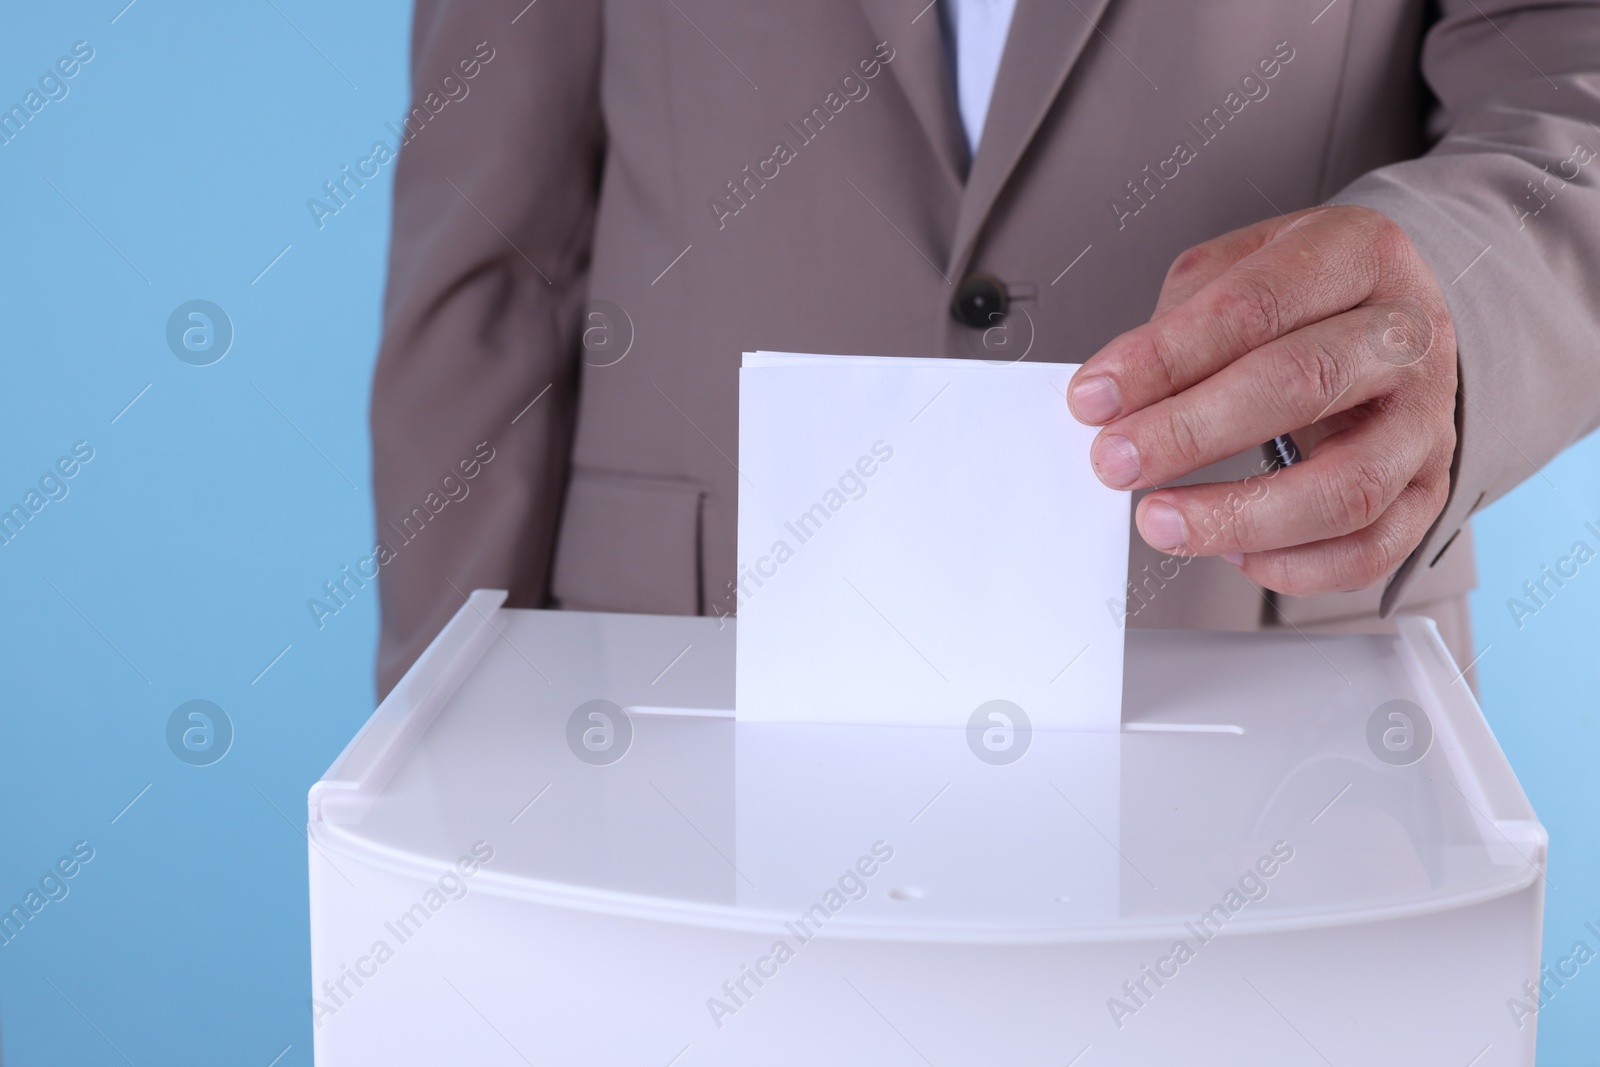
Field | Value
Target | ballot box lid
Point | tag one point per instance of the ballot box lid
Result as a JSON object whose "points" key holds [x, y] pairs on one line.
{"points": [[1260, 781]]}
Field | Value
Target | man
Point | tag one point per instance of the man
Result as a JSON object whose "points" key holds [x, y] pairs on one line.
{"points": [[1372, 223]]}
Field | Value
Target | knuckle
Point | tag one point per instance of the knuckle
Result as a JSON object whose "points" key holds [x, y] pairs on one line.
{"points": [[1294, 572], [1249, 309], [1159, 357], [1370, 559], [1388, 237], [1192, 261], [1380, 232], [1397, 264], [1353, 498], [1371, 216], [1223, 523], [1403, 335], [1441, 342], [1435, 470], [1308, 373], [1179, 440], [1416, 334]]}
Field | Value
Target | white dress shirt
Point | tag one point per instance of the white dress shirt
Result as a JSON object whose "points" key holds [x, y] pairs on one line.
{"points": [[977, 36]]}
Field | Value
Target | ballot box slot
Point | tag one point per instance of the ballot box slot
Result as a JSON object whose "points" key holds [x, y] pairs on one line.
{"points": [[1182, 728]]}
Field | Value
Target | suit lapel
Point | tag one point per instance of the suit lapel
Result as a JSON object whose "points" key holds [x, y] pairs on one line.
{"points": [[922, 69], [1045, 40]]}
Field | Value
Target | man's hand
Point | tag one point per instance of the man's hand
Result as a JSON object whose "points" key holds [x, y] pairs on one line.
{"points": [[1328, 319]]}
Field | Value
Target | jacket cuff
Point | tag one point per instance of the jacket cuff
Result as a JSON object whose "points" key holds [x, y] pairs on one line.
{"points": [[1465, 267]]}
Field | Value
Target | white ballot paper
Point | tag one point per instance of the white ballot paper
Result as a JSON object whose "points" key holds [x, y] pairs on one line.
{"points": [[919, 538]]}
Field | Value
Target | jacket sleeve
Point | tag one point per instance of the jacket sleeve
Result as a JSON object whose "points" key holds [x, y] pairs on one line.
{"points": [[1505, 207], [494, 202]]}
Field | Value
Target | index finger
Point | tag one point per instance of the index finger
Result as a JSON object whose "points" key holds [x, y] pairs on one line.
{"points": [[1311, 267], [1196, 267]]}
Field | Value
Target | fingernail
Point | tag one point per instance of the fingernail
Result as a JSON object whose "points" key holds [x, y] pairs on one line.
{"points": [[1163, 526], [1235, 558], [1094, 400], [1116, 461]]}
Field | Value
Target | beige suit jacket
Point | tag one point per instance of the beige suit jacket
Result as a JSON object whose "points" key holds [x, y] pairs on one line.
{"points": [[625, 195]]}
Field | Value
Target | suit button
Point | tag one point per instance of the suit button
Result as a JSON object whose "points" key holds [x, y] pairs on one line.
{"points": [[980, 301]]}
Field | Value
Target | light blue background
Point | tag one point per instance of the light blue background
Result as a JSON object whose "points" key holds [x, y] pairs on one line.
{"points": [[179, 565]]}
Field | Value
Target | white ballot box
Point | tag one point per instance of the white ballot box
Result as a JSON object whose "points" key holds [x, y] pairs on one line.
{"points": [[553, 843]]}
